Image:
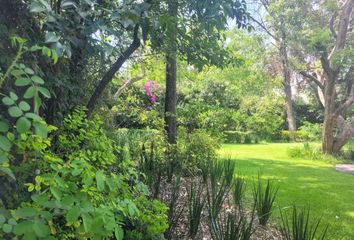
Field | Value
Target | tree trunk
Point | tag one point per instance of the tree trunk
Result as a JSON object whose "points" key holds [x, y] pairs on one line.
{"points": [[171, 76], [109, 75], [287, 90], [171, 99]]}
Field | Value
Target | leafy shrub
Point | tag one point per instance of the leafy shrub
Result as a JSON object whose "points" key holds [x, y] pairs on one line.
{"points": [[197, 149], [152, 221], [82, 191], [310, 151], [311, 131], [264, 198], [300, 226], [240, 137]]}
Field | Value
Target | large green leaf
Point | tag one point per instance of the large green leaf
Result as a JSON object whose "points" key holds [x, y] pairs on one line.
{"points": [[24, 106], [8, 101], [73, 214], [100, 179], [37, 79], [5, 144], [4, 127], [20, 82], [15, 111], [44, 91], [23, 125], [50, 37], [36, 7], [41, 229], [7, 228], [41, 130], [30, 92], [13, 96], [26, 212]]}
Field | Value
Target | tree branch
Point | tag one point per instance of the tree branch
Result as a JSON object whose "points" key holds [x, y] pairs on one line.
{"points": [[312, 78], [349, 102], [344, 20], [109, 75], [264, 28], [127, 84], [331, 25]]}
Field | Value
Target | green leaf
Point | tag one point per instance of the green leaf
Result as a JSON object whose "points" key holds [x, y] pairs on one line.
{"points": [[36, 7], [50, 37], [41, 130], [73, 214], [20, 82], [41, 229], [33, 116], [29, 71], [37, 103], [4, 127], [44, 91], [2, 219], [100, 178], [35, 48], [30, 92], [8, 172], [119, 233], [5, 144], [24, 106], [37, 79], [12, 222], [15, 111], [3, 158], [23, 125], [8, 101], [26, 212], [56, 192], [7, 228], [13, 96], [23, 228], [87, 221], [17, 72]]}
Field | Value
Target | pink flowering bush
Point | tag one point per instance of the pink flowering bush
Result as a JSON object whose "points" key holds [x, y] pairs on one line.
{"points": [[150, 87]]}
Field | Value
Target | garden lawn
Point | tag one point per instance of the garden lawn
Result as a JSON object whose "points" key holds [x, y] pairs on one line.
{"points": [[317, 184]]}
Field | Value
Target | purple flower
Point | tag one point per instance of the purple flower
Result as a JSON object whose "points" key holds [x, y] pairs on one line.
{"points": [[149, 88]]}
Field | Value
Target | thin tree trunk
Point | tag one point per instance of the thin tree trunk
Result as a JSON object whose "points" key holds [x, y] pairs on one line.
{"points": [[109, 75], [287, 90], [171, 99], [171, 76]]}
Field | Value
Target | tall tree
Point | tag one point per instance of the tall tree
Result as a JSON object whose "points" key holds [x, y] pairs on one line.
{"points": [[191, 30], [322, 41], [171, 74], [275, 29]]}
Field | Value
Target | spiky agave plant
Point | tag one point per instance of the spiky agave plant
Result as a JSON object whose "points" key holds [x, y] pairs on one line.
{"points": [[299, 226], [264, 198], [233, 226], [220, 176], [238, 192], [196, 202]]}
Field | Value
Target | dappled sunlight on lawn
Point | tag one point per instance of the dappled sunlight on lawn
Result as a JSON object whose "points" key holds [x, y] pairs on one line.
{"points": [[312, 183]]}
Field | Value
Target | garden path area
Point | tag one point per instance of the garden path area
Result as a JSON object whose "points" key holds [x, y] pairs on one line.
{"points": [[314, 183]]}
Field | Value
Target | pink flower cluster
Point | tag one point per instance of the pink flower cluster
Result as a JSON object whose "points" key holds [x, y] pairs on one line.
{"points": [[149, 88]]}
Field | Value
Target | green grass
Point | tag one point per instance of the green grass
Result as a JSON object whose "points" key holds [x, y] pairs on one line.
{"points": [[312, 183]]}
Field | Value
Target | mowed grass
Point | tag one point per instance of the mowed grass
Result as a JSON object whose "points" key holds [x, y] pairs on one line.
{"points": [[328, 193]]}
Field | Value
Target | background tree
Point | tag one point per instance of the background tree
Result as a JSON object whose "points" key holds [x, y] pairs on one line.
{"points": [[322, 41]]}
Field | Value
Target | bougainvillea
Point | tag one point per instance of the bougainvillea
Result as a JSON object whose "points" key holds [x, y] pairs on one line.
{"points": [[150, 87]]}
